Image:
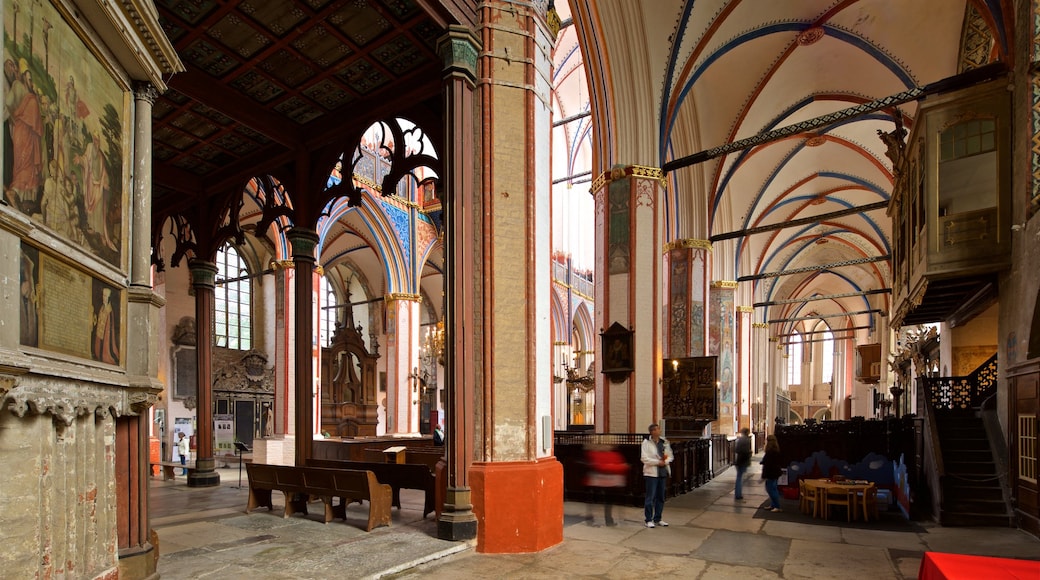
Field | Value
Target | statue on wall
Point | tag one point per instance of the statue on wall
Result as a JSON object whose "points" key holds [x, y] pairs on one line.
{"points": [[895, 144]]}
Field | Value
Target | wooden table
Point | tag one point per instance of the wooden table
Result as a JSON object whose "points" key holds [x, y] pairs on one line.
{"points": [[940, 566], [857, 488]]}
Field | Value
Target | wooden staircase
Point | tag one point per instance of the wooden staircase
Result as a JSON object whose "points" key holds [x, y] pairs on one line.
{"points": [[970, 478], [972, 493]]}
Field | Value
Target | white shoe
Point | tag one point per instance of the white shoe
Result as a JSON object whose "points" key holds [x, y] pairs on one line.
{"points": [[663, 524], [650, 524]]}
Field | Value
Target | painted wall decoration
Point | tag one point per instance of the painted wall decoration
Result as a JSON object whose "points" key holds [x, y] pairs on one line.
{"points": [[77, 314], [63, 132], [678, 301], [722, 330], [619, 228]]}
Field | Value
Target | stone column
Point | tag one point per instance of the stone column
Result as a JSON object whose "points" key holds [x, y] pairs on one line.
{"points": [[628, 252], [722, 344], [144, 325], [285, 345], [203, 278], [744, 357], [761, 383], [402, 352], [303, 242], [516, 483], [462, 269], [687, 269]]}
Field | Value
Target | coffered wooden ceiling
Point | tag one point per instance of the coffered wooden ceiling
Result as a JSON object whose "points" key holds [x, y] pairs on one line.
{"points": [[269, 80]]}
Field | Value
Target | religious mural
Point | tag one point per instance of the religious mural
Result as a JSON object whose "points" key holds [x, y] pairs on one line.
{"points": [[63, 132]]}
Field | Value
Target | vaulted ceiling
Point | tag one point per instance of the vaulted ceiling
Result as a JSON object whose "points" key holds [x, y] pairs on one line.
{"points": [[267, 82], [708, 73]]}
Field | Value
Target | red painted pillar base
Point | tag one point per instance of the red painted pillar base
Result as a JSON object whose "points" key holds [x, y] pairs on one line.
{"points": [[519, 505]]}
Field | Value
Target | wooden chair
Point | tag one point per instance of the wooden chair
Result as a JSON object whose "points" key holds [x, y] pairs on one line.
{"points": [[840, 497], [868, 499], [809, 496]]}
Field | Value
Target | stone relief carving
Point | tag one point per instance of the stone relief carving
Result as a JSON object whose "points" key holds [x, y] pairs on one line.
{"points": [[248, 374], [184, 332]]}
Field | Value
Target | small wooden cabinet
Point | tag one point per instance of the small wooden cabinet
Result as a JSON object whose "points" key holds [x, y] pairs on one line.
{"points": [[868, 367]]}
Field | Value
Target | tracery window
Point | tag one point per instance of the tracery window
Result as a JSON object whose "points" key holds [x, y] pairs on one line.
{"points": [[794, 361], [328, 312], [827, 362], [232, 301]]}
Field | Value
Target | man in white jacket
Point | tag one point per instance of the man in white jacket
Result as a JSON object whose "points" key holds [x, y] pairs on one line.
{"points": [[656, 455]]}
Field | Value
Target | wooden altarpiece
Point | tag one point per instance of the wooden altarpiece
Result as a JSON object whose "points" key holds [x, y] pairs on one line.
{"points": [[690, 394], [349, 402]]}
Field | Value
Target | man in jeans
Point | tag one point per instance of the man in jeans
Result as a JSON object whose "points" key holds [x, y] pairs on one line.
{"points": [[741, 460], [656, 455]]}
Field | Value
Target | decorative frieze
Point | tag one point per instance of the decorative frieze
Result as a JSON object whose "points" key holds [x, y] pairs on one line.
{"points": [[66, 399]]}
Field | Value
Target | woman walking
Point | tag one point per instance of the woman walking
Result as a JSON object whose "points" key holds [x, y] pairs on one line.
{"points": [[772, 468]]}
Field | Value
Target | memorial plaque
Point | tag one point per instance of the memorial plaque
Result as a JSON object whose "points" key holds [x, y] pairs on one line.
{"points": [[64, 309]]}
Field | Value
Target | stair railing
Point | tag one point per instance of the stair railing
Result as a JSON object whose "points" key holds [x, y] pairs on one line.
{"points": [[933, 478], [962, 393]]}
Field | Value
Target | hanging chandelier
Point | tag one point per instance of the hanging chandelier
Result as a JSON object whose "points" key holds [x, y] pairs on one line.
{"points": [[433, 344]]}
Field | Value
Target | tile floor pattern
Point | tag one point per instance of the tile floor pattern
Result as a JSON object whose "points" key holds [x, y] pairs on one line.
{"points": [[204, 533]]}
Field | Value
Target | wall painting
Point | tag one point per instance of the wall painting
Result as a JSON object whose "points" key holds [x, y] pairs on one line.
{"points": [[63, 132]]}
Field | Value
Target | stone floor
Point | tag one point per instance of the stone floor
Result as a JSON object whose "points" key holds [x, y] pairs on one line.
{"points": [[204, 533]]}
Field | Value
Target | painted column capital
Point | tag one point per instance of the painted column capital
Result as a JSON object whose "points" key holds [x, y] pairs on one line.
{"points": [[619, 172], [303, 242], [459, 49], [688, 243], [203, 273], [405, 296]]}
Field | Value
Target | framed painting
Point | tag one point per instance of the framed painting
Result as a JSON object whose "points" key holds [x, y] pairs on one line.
{"points": [[64, 128]]}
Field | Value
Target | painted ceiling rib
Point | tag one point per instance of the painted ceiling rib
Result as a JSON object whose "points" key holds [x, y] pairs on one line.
{"points": [[800, 221], [814, 268], [965, 79], [829, 296], [835, 315]]}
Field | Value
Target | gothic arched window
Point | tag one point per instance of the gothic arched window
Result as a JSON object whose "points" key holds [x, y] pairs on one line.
{"points": [[232, 301]]}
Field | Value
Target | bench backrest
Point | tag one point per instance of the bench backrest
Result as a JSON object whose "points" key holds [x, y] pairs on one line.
{"points": [[314, 480], [384, 472]]}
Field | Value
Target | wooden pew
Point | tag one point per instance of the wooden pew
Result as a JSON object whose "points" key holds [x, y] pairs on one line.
{"points": [[299, 483], [396, 475]]}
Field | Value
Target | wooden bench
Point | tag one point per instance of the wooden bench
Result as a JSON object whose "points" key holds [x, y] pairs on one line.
{"points": [[169, 468], [396, 475], [300, 483]]}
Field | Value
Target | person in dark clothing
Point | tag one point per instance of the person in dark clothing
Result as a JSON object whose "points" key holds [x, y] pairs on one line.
{"points": [[772, 468], [741, 460]]}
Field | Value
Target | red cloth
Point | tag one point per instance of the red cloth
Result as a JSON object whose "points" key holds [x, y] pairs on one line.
{"points": [[940, 566], [607, 468]]}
